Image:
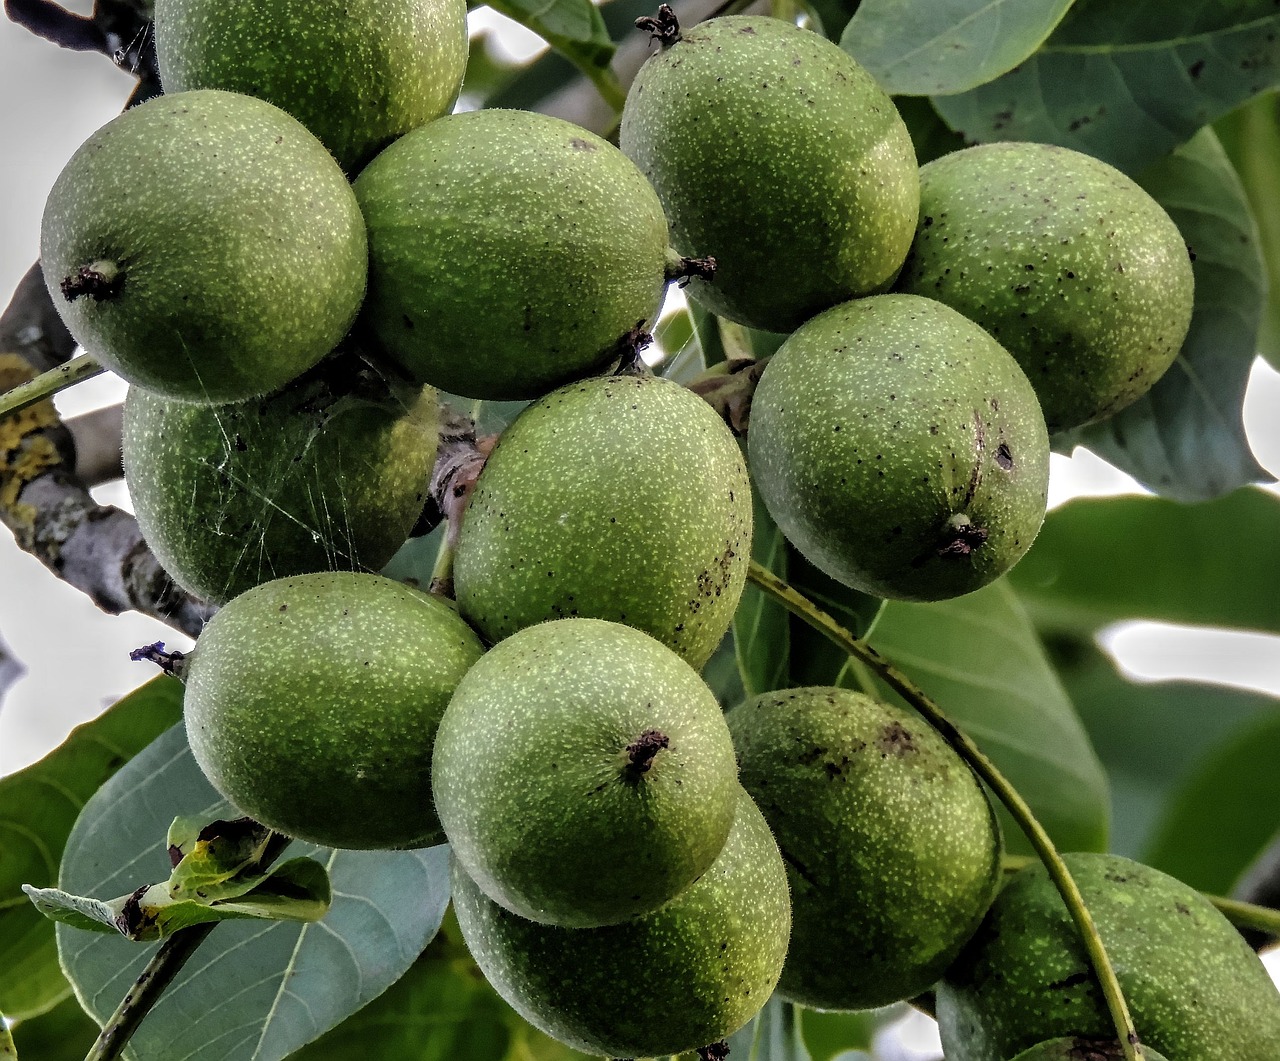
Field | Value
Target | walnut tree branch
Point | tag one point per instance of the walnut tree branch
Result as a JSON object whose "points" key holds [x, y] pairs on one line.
{"points": [[118, 29], [46, 504]]}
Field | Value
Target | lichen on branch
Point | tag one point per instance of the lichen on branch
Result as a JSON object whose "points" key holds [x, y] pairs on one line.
{"points": [[45, 504]]}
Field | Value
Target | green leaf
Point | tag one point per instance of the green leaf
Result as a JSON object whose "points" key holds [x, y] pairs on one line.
{"points": [[64, 1033], [38, 807], [829, 1035], [1128, 80], [576, 30], [1185, 438], [979, 658], [1251, 137], [442, 1009], [1226, 814], [1098, 561], [930, 135], [78, 911], [814, 659], [722, 675], [773, 1034], [290, 982], [1151, 736], [761, 627], [930, 47], [684, 360], [297, 890]]}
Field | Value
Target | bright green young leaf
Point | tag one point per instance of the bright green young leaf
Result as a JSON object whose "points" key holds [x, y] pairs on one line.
{"points": [[64, 1033], [706, 326], [979, 658], [576, 30], [1128, 80], [1185, 438], [1152, 737], [79, 911], [937, 47], [773, 1034], [215, 860], [297, 890], [1226, 814], [831, 1035], [1098, 561], [761, 628], [1251, 137], [290, 982], [38, 807], [684, 360]]}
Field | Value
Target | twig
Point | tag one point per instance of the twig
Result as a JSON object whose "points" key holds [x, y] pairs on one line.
{"points": [[164, 965], [799, 605], [1258, 923], [118, 29], [1242, 915], [458, 465], [47, 384]]}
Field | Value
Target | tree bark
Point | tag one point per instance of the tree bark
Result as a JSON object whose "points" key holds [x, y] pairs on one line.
{"points": [[46, 504]]}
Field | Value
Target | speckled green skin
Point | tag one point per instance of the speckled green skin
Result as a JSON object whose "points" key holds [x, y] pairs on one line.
{"points": [[357, 74], [778, 155], [1074, 1049], [621, 498], [307, 479], [312, 703], [688, 974], [1076, 270], [510, 252], [1196, 990], [536, 790], [241, 245], [892, 850], [878, 423]]}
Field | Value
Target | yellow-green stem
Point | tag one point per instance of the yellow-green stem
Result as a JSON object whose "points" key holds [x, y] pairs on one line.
{"points": [[1247, 915], [1242, 915], [49, 383], [800, 606]]}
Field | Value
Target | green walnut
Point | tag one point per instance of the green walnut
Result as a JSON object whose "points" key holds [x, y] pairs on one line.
{"points": [[622, 498], [584, 773], [778, 155], [329, 473], [205, 246], [1077, 1049], [510, 252], [1072, 266], [357, 74], [312, 703], [892, 850], [900, 449], [1194, 987], [686, 975]]}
